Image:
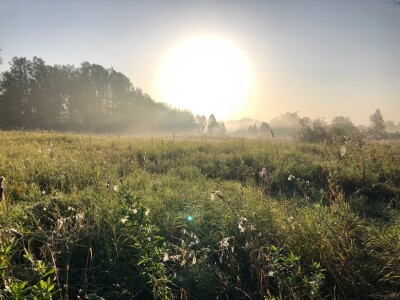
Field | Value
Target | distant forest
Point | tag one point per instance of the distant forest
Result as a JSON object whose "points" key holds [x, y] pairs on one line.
{"points": [[34, 95]]}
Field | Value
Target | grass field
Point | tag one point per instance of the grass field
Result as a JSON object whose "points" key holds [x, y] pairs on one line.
{"points": [[193, 218]]}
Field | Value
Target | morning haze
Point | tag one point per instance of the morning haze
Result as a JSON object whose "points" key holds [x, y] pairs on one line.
{"points": [[208, 149], [320, 58]]}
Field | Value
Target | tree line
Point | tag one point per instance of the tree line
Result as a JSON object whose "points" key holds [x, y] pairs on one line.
{"points": [[34, 95], [91, 98], [318, 130]]}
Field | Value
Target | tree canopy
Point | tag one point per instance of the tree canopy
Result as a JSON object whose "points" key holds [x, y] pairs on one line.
{"points": [[34, 95]]}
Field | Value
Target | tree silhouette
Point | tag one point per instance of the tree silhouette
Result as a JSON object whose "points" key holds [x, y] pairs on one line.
{"points": [[313, 130], [201, 122], [215, 128], [377, 126], [252, 130], [85, 98], [342, 126], [265, 129], [286, 124], [212, 125]]}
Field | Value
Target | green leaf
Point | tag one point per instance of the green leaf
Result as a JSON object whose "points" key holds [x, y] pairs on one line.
{"points": [[49, 272], [272, 247]]}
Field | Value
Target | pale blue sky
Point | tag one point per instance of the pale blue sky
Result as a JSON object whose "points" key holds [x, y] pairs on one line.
{"points": [[321, 58]]}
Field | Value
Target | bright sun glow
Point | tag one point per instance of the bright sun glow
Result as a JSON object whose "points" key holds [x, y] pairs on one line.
{"points": [[205, 75]]}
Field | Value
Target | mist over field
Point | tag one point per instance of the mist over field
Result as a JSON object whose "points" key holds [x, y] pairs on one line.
{"points": [[199, 149]]}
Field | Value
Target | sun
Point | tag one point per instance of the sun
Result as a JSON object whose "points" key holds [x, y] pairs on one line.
{"points": [[205, 75]]}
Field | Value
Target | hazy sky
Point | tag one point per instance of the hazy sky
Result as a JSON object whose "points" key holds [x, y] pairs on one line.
{"points": [[318, 57]]}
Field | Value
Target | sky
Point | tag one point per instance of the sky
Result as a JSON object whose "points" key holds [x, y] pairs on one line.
{"points": [[318, 57]]}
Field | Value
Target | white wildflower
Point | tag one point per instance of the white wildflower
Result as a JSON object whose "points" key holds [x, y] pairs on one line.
{"points": [[291, 177], [242, 223], [147, 212], [115, 188], [124, 219], [174, 257], [224, 242], [166, 257]]}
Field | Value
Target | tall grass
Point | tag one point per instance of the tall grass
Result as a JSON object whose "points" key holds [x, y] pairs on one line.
{"points": [[124, 218]]}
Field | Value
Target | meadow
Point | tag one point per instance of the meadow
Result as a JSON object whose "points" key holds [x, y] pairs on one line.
{"points": [[108, 217]]}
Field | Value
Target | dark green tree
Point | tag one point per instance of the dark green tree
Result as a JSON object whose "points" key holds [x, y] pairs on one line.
{"points": [[15, 88], [86, 98]]}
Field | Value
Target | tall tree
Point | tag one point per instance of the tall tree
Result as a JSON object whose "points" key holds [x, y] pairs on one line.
{"points": [[377, 126], [15, 93], [212, 124]]}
